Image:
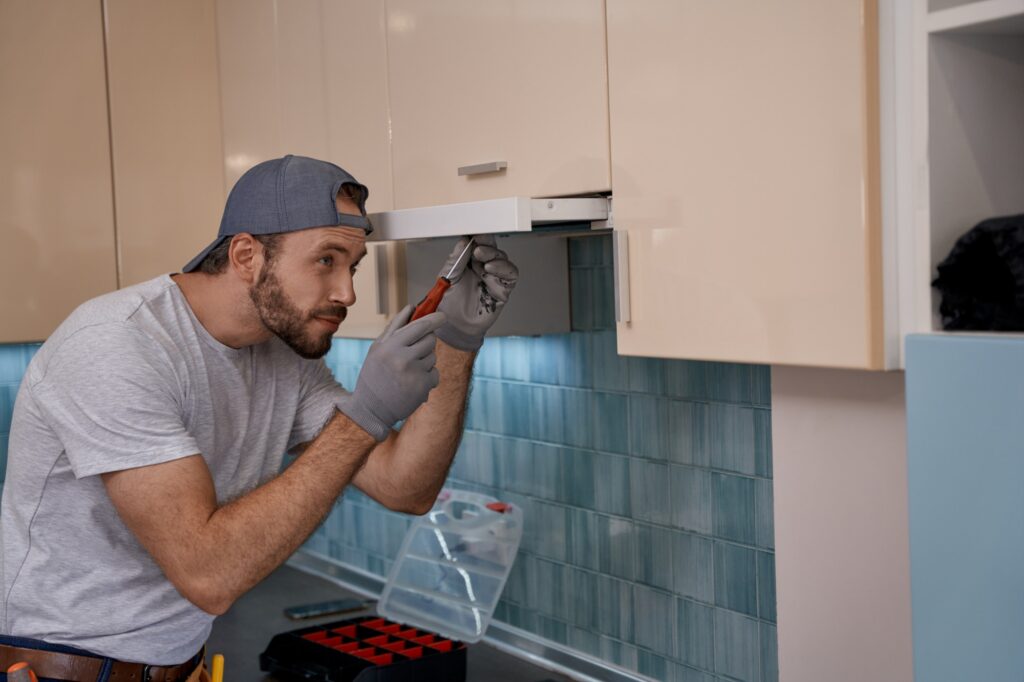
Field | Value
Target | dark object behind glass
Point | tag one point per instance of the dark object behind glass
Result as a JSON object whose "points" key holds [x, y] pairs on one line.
{"points": [[982, 278]]}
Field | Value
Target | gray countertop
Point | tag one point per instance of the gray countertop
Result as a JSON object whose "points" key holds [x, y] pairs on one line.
{"points": [[244, 631]]}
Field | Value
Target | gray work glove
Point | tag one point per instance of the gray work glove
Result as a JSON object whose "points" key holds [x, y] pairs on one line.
{"points": [[397, 374], [480, 288]]}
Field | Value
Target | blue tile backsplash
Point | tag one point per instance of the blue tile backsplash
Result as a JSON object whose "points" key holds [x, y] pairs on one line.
{"points": [[645, 485], [14, 359]]}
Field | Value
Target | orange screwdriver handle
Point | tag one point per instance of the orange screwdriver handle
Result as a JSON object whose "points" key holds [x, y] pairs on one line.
{"points": [[432, 299]]}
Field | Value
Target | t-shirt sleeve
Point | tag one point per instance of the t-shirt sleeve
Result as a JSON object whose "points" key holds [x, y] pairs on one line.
{"points": [[320, 392], [112, 398]]}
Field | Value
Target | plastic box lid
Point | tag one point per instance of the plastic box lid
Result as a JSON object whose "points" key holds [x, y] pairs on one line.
{"points": [[453, 565]]}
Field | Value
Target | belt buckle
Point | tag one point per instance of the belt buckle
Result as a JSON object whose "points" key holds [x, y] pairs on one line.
{"points": [[147, 674]]}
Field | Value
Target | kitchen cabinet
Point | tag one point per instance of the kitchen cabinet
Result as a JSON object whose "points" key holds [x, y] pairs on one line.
{"points": [[56, 211], [309, 77], [745, 165], [165, 132], [496, 99], [964, 473], [966, 132]]}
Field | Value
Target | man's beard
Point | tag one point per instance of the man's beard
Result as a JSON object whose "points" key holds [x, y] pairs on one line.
{"points": [[285, 320]]}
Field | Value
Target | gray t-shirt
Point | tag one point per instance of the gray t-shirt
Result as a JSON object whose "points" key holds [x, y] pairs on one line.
{"points": [[132, 379]]}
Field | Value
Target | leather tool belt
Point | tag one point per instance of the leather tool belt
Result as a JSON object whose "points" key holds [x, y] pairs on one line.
{"points": [[75, 668]]}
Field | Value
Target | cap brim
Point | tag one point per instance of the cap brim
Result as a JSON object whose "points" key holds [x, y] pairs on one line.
{"points": [[194, 263]]}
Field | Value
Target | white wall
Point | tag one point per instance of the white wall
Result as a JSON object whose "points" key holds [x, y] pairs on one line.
{"points": [[841, 537]]}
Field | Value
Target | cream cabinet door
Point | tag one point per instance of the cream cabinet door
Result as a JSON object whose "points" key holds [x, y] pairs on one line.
{"points": [[745, 155], [515, 82], [309, 77], [165, 130], [56, 210]]}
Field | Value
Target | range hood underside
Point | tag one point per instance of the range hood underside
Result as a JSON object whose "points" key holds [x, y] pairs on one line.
{"points": [[492, 216]]}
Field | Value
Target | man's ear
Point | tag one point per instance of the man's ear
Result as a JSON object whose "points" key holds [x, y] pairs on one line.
{"points": [[245, 256]]}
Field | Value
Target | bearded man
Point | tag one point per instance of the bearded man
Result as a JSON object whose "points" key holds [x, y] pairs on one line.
{"points": [[144, 491]]}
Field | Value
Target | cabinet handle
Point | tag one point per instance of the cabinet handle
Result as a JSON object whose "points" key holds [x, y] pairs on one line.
{"points": [[620, 270], [380, 262], [480, 168]]}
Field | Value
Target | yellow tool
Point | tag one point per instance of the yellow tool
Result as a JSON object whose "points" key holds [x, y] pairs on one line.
{"points": [[218, 668]]}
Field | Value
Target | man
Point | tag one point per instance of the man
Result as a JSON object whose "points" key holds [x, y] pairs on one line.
{"points": [[143, 493]]}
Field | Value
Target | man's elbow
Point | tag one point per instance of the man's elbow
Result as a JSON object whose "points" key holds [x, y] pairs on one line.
{"points": [[206, 595], [405, 505], [421, 508]]}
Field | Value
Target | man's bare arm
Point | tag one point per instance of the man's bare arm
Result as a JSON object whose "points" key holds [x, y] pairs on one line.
{"points": [[214, 554], [406, 471]]}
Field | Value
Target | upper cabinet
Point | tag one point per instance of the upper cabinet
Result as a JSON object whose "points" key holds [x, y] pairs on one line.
{"points": [[766, 158], [967, 130], [496, 99], [56, 211], [306, 77], [309, 77], [745, 165], [165, 133]]}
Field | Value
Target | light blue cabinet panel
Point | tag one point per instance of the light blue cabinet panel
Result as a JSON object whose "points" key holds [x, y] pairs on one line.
{"points": [[965, 419]]}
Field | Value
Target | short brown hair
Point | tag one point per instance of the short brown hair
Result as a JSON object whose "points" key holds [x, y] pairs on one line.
{"points": [[217, 260]]}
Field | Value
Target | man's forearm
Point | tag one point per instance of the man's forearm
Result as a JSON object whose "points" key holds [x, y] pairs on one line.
{"points": [[248, 538], [213, 554], [407, 471]]}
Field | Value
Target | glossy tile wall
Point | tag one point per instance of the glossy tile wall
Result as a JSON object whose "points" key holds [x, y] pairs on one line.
{"points": [[646, 486], [14, 359]]}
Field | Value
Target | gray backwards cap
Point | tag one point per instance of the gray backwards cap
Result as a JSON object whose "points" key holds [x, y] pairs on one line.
{"points": [[285, 195]]}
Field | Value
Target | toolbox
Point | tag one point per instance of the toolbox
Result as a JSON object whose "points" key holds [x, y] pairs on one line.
{"points": [[440, 595], [367, 649]]}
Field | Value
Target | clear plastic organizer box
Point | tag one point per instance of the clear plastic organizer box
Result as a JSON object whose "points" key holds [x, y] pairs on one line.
{"points": [[453, 565]]}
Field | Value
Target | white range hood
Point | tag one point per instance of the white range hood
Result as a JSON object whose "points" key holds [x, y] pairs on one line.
{"points": [[492, 216], [535, 235]]}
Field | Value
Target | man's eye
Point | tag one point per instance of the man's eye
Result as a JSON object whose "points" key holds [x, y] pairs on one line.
{"points": [[327, 260], [354, 269]]}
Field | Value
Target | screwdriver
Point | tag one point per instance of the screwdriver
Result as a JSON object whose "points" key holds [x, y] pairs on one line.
{"points": [[433, 298]]}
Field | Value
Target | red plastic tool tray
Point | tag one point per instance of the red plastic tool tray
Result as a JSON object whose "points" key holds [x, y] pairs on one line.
{"points": [[366, 649]]}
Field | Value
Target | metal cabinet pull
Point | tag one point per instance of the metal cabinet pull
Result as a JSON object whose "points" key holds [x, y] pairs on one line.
{"points": [[480, 168], [380, 262], [620, 270]]}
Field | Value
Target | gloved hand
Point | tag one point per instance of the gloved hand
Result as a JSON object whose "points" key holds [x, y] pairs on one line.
{"points": [[397, 374], [478, 293]]}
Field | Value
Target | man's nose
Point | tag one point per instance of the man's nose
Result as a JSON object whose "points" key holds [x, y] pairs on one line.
{"points": [[344, 291]]}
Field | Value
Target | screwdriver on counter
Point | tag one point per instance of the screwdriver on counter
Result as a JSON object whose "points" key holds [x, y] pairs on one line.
{"points": [[433, 298]]}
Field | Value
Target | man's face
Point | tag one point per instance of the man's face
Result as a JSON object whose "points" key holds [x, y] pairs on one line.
{"points": [[303, 292]]}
